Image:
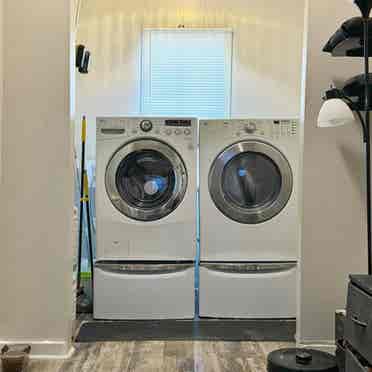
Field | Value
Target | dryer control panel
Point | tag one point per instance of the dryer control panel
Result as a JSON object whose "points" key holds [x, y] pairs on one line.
{"points": [[245, 128], [179, 128]]}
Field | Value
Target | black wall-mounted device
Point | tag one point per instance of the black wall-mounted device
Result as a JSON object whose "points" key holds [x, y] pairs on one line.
{"points": [[82, 59], [84, 68]]}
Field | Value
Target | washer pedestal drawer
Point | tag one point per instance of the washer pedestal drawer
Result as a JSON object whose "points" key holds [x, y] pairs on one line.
{"points": [[248, 290], [124, 290]]}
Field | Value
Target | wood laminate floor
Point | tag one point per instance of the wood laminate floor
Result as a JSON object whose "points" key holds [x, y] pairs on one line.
{"points": [[163, 356]]}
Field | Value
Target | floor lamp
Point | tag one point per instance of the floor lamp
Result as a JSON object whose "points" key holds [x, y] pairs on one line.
{"points": [[338, 108]]}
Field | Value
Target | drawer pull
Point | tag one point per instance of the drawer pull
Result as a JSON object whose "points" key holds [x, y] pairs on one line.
{"points": [[359, 322]]}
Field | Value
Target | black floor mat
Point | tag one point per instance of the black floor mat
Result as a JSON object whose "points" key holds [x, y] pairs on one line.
{"points": [[201, 329]]}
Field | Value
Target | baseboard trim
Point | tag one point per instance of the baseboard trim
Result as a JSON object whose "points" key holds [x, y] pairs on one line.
{"points": [[327, 346], [45, 349]]}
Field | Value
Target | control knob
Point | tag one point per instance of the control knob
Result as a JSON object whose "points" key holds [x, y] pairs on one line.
{"points": [[250, 128], [146, 125]]}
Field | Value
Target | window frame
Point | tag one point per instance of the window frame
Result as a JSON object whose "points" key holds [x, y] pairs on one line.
{"points": [[145, 65]]}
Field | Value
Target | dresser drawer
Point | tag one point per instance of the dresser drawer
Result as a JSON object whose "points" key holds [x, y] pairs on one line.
{"points": [[358, 326], [353, 364]]}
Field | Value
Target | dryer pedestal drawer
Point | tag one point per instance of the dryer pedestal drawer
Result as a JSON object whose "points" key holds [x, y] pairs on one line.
{"points": [[253, 290], [358, 326], [143, 291]]}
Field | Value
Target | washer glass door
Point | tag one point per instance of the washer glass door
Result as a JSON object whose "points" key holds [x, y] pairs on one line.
{"points": [[250, 182], [146, 180]]}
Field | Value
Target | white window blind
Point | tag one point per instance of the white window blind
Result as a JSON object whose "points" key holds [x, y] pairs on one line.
{"points": [[186, 72]]}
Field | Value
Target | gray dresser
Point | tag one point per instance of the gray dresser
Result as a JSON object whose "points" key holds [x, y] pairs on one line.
{"points": [[358, 324]]}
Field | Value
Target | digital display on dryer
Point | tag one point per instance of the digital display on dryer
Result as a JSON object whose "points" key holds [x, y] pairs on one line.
{"points": [[178, 123]]}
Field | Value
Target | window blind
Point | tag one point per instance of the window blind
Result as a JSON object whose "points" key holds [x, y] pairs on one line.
{"points": [[186, 72]]}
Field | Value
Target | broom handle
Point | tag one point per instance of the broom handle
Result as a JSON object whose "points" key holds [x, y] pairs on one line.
{"points": [[82, 168]]}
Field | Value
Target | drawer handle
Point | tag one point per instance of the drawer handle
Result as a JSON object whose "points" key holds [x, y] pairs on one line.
{"points": [[359, 322]]}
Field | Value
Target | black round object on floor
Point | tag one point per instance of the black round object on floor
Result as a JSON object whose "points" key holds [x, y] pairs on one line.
{"points": [[301, 360]]}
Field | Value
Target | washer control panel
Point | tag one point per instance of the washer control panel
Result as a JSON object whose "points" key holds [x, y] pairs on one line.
{"points": [[111, 127], [284, 128]]}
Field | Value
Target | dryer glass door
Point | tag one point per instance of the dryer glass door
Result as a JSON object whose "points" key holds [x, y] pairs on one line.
{"points": [[146, 180], [250, 182]]}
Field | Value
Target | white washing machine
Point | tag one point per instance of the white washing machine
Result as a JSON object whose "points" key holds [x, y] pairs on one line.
{"points": [[146, 218], [249, 218]]}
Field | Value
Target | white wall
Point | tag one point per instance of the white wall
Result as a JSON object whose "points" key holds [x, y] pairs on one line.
{"points": [[266, 63], [334, 231], [37, 189], [1, 80]]}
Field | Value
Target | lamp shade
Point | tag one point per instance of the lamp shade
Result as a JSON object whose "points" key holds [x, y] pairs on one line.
{"points": [[334, 113], [347, 41], [354, 88]]}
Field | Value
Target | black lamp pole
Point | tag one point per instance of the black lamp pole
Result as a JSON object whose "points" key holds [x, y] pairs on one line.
{"points": [[365, 7], [368, 140]]}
